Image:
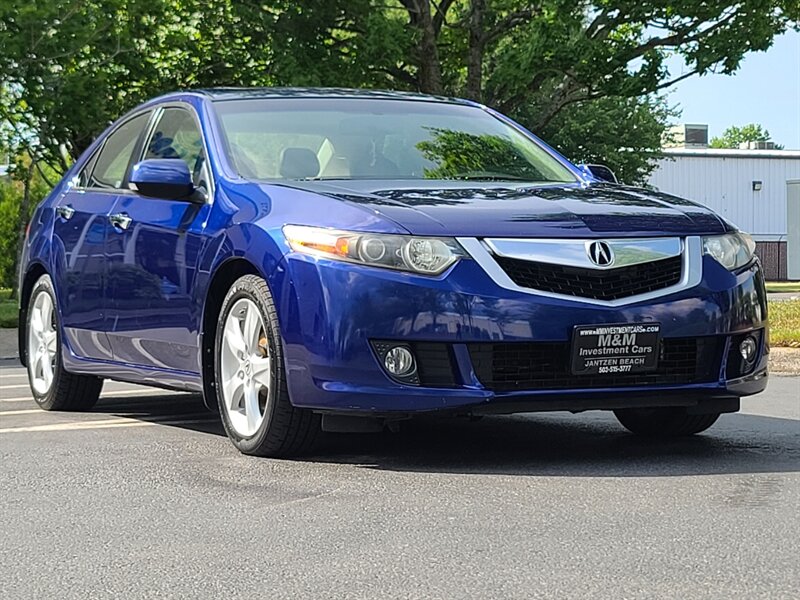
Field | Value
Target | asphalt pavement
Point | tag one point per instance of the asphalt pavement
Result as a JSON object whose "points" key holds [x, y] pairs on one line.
{"points": [[144, 497]]}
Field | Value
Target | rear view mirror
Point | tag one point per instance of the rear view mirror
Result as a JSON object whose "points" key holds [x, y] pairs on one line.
{"points": [[600, 172], [167, 178]]}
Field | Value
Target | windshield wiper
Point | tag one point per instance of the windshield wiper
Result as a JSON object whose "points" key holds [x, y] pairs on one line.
{"points": [[489, 176]]}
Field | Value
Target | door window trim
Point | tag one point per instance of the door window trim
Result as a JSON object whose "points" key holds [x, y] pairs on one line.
{"points": [[158, 112], [137, 155], [91, 161]]}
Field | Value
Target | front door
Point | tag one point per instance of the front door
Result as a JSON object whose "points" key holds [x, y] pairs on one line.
{"points": [[152, 253], [80, 234]]}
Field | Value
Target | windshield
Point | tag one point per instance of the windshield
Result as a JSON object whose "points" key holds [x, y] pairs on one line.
{"points": [[356, 138]]}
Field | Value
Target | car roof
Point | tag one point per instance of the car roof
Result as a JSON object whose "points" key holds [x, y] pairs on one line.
{"points": [[237, 93]]}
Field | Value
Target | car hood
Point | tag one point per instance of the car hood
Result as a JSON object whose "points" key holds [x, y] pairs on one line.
{"points": [[492, 209]]}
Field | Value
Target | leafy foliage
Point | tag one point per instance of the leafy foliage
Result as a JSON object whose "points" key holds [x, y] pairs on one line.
{"points": [[464, 155], [622, 133], [11, 193], [74, 65], [733, 136]]}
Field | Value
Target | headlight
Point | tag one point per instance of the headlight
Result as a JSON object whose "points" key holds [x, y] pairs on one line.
{"points": [[732, 250], [425, 255]]}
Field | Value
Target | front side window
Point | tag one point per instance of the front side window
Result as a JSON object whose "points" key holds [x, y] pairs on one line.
{"points": [[359, 138], [177, 136], [111, 164]]}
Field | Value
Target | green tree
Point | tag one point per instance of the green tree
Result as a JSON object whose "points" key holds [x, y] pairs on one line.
{"points": [[513, 54], [79, 63], [70, 67], [462, 155], [733, 136], [621, 133], [15, 213]]}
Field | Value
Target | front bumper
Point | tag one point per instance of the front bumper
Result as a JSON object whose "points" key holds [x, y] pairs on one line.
{"points": [[331, 312]]}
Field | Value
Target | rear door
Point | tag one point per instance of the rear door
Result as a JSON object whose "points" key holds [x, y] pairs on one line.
{"points": [[80, 234], [154, 257]]}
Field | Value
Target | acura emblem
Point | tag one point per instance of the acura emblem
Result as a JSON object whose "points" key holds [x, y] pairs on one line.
{"points": [[600, 253]]}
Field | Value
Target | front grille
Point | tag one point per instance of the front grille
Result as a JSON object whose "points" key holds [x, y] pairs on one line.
{"points": [[511, 366], [434, 364], [598, 284]]}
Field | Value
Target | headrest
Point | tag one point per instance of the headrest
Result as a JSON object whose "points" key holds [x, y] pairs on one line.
{"points": [[299, 163]]}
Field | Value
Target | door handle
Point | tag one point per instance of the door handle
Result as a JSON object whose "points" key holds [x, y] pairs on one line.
{"points": [[65, 212], [121, 221]]}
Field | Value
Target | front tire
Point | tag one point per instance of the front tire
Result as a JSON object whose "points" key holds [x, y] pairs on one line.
{"points": [[52, 386], [664, 422], [250, 378]]}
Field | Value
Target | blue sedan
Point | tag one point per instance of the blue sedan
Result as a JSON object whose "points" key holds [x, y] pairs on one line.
{"points": [[343, 260]]}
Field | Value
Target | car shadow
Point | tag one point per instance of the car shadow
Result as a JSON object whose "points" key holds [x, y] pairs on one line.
{"points": [[184, 411], [590, 444]]}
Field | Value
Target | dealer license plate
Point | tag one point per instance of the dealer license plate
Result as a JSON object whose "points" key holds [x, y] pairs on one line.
{"points": [[615, 349]]}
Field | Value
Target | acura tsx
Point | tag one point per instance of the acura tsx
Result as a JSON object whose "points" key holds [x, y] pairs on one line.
{"points": [[321, 259]]}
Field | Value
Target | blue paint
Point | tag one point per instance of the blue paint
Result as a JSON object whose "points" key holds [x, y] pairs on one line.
{"points": [[132, 301]]}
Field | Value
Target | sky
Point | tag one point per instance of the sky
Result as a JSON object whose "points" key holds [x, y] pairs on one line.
{"points": [[765, 90]]}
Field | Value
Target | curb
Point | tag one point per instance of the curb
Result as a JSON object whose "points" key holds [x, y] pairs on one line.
{"points": [[8, 344]]}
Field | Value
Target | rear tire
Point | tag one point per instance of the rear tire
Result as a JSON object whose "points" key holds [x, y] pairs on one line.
{"points": [[250, 378], [53, 387], [664, 422]]}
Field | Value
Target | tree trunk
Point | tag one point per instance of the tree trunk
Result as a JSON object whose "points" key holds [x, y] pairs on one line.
{"points": [[24, 211], [430, 69], [477, 42]]}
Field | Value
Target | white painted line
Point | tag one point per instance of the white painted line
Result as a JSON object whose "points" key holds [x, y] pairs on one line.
{"points": [[11, 413], [104, 424], [18, 375], [113, 394], [20, 386], [77, 425]]}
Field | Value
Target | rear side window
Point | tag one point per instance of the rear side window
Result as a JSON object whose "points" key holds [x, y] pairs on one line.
{"points": [[115, 156]]}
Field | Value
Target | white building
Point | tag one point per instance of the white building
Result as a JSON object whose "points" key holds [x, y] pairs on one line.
{"points": [[747, 187]]}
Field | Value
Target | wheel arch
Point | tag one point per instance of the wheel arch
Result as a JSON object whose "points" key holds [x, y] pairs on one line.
{"points": [[223, 278]]}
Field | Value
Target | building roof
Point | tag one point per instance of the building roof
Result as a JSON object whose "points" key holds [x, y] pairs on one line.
{"points": [[731, 153]]}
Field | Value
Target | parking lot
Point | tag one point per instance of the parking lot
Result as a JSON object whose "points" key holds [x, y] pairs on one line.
{"points": [[144, 497]]}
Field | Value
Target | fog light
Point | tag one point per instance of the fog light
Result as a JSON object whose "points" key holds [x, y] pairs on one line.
{"points": [[748, 349], [399, 361]]}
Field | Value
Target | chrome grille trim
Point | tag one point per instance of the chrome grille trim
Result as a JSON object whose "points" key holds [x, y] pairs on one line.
{"points": [[575, 253], [691, 249]]}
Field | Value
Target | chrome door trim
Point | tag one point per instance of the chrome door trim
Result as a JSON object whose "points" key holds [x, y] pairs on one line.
{"points": [[691, 271], [65, 211], [121, 221]]}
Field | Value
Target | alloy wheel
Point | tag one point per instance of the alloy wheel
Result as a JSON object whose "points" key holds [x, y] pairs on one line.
{"points": [[245, 368], [42, 343]]}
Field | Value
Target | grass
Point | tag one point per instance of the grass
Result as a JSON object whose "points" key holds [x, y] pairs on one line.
{"points": [[784, 323], [783, 286], [8, 309]]}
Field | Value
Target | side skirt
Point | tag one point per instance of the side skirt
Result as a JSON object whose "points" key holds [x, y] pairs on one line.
{"points": [[181, 381]]}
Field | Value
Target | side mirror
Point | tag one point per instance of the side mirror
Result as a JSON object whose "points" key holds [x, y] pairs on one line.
{"points": [[166, 178], [600, 172]]}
